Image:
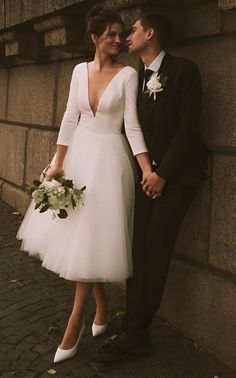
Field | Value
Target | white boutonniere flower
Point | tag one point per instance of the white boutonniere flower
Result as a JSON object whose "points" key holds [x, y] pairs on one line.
{"points": [[156, 84]]}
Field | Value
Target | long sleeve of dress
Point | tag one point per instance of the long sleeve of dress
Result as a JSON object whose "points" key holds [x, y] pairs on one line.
{"points": [[132, 127], [72, 113]]}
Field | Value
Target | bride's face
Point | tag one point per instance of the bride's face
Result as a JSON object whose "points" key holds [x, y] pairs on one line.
{"points": [[110, 41]]}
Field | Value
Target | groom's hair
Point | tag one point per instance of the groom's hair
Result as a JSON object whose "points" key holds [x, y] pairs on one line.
{"points": [[160, 24]]}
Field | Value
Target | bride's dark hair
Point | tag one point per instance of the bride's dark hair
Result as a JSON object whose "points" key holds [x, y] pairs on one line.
{"points": [[97, 20]]}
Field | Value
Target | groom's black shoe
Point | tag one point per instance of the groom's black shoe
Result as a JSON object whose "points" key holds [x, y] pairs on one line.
{"points": [[124, 346]]}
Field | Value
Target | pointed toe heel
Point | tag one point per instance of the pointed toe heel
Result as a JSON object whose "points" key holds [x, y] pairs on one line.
{"points": [[98, 330], [65, 354]]}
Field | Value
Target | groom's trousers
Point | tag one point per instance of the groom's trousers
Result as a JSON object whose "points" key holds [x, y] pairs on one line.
{"points": [[156, 227]]}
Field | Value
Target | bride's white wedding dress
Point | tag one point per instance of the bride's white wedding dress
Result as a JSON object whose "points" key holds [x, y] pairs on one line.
{"points": [[94, 242]]}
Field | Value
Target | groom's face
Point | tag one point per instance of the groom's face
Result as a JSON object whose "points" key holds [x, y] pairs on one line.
{"points": [[138, 38]]}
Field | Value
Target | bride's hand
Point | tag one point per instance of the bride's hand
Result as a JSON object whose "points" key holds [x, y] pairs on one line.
{"points": [[52, 171]]}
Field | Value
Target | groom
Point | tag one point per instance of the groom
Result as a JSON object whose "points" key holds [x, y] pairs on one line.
{"points": [[169, 106]]}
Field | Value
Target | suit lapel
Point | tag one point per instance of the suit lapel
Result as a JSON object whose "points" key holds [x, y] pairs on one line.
{"points": [[142, 101]]}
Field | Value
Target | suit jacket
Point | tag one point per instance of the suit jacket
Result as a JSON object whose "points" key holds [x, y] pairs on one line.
{"points": [[170, 123]]}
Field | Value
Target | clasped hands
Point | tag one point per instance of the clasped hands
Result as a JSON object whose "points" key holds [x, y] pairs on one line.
{"points": [[152, 184]]}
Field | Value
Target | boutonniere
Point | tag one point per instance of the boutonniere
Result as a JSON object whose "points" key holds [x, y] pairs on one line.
{"points": [[156, 84]]}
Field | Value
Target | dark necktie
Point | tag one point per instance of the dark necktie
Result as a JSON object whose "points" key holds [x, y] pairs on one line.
{"points": [[147, 74]]}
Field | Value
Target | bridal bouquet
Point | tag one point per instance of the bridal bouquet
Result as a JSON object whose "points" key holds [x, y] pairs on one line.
{"points": [[55, 193]]}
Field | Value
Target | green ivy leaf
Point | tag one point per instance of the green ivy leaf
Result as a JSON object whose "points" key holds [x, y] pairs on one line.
{"points": [[73, 202], [58, 176], [44, 208], [63, 214], [36, 182], [68, 183]]}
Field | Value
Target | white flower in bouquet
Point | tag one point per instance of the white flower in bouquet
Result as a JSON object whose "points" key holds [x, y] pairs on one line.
{"points": [[38, 195], [56, 194]]}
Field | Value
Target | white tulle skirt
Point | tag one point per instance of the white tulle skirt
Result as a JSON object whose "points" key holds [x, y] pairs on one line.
{"points": [[94, 242]]}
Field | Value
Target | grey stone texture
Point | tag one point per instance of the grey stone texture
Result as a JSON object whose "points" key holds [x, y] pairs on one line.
{"points": [[229, 21], [13, 12], [34, 308], [3, 92], [18, 11], [31, 90], [208, 308], [202, 18], [40, 150], [219, 86], [227, 4], [32, 9], [12, 153], [18, 199], [2, 18], [223, 214], [193, 239]]}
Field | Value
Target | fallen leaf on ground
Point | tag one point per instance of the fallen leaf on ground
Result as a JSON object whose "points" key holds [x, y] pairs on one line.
{"points": [[51, 371]]}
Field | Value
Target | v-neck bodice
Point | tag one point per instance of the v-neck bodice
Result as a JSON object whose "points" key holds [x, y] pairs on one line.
{"points": [[105, 89], [116, 107]]}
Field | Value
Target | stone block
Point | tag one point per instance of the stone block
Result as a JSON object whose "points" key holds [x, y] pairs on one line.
{"points": [[1, 185], [2, 19], [64, 78], [3, 92], [13, 12], [32, 9], [15, 197], [227, 4], [124, 3], [223, 215], [12, 153], [229, 21], [192, 20], [203, 305], [40, 150], [56, 37], [12, 48], [31, 94], [193, 240], [216, 59]]}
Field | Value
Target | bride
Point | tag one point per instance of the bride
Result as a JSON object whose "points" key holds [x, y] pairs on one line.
{"points": [[93, 245]]}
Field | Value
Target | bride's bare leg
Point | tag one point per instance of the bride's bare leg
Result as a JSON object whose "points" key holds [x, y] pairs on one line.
{"points": [[101, 316], [82, 293]]}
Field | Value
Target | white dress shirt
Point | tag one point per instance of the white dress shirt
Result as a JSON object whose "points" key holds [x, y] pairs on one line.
{"points": [[155, 66], [156, 63]]}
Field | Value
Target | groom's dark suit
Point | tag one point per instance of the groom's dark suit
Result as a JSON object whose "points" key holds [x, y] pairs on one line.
{"points": [[171, 129]]}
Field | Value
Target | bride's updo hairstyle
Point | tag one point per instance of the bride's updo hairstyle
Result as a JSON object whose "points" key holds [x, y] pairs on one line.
{"points": [[98, 19]]}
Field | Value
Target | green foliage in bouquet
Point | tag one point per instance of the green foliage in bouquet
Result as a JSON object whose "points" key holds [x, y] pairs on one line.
{"points": [[56, 193]]}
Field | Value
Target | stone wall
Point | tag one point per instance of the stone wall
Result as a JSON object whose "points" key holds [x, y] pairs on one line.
{"points": [[40, 43]]}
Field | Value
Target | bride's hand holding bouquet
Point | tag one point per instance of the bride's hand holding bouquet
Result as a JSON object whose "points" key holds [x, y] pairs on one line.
{"points": [[53, 191]]}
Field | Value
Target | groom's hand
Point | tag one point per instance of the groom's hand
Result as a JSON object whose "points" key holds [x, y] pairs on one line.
{"points": [[153, 185]]}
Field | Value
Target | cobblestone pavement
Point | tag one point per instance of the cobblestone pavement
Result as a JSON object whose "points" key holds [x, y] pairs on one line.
{"points": [[34, 307]]}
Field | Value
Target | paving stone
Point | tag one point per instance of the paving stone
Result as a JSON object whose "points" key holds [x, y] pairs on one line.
{"points": [[29, 355], [49, 300], [4, 365], [41, 365], [43, 348]]}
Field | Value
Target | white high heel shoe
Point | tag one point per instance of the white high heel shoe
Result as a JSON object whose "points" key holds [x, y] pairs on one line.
{"points": [[65, 354], [98, 330]]}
